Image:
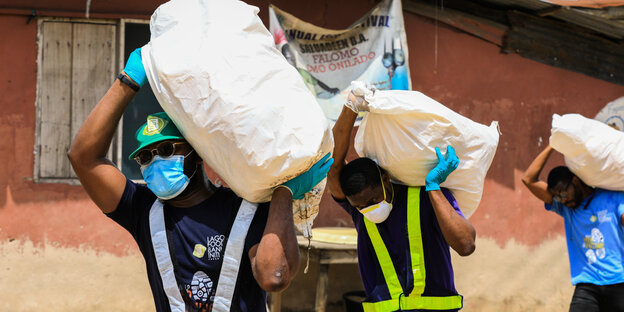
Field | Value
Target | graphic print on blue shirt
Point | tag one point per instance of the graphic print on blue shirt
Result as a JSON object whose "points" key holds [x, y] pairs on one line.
{"points": [[439, 271], [197, 238], [595, 237]]}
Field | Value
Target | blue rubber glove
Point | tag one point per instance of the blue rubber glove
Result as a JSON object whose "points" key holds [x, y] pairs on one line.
{"points": [[304, 182], [134, 68], [437, 175]]}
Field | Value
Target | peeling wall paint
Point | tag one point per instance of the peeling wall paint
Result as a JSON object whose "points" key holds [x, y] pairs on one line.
{"points": [[468, 75]]}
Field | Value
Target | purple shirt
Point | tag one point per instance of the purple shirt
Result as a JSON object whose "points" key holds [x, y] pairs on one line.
{"points": [[439, 270]]}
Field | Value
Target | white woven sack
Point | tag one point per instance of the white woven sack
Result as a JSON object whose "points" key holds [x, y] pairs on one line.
{"points": [[592, 150], [402, 130], [214, 69]]}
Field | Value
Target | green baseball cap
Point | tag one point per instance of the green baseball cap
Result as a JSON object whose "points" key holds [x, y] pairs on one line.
{"points": [[158, 127]]}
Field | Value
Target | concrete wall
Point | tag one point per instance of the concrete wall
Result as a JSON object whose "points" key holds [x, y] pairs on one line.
{"points": [[49, 231]]}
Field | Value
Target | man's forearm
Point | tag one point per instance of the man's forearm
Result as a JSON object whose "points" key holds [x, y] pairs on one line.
{"points": [[531, 177], [342, 134], [457, 231], [277, 256], [342, 139], [532, 173], [94, 137]]}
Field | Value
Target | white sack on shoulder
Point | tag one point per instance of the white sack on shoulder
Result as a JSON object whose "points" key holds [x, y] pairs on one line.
{"points": [[214, 69], [592, 150], [402, 130]]}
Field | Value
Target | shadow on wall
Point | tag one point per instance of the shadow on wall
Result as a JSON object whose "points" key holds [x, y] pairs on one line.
{"points": [[524, 118], [20, 189], [520, 93], [473, 78], [17, 165]]}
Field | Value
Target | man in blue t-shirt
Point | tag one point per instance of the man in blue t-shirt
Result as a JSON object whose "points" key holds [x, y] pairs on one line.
{"points": [[203, 245], [594, 227], [404, 233]]}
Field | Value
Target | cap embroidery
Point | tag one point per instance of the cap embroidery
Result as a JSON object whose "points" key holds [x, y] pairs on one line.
{"points": [[154, 125]]}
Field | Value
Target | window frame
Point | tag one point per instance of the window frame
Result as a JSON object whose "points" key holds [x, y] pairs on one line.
{"points": [[120, 57], [115, 152]]}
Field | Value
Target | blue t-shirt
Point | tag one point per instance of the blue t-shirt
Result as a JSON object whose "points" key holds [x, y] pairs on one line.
{"points": [[595, 237], [439, 279], [197, 239]]}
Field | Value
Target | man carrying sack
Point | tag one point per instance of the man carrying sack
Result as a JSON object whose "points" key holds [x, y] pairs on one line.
{"points": [[205, 248], [594, 228], [404, 233]]}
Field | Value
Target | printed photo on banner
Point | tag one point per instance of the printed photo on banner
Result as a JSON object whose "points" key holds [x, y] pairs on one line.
{"points": [[373, 49]]}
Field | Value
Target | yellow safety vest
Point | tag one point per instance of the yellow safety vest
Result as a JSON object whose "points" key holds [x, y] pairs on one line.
{"points": [[414, 300]]}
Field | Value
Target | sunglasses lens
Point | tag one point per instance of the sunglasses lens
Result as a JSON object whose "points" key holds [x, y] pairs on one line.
{"points": [[561, 196], [165, 149], [143, 157]]}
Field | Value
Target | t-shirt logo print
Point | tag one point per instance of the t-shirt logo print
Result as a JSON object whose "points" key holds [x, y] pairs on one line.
{"points": [[201, 286], [214, 246], [595, 246], [199, 250], [603, 216]]}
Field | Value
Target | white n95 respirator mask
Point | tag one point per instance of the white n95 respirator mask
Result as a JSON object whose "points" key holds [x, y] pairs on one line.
{"points": [[378, 213]]}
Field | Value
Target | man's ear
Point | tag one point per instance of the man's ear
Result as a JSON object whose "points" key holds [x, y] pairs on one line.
{"points": [[385, 177], [578, 182]]}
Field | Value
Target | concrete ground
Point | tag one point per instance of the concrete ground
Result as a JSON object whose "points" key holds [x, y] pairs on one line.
{"points": [[50, 278]]}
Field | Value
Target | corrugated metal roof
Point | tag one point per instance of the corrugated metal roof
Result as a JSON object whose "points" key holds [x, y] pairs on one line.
{"points": [[585, 40], [607, 21], [587, 3]]}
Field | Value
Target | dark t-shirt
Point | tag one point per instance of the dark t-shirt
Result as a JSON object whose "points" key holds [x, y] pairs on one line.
{"points": [[439, 280], [198, 236]]}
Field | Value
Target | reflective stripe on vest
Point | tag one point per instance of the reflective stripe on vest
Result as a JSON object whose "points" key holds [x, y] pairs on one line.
{"points": [[231, 258], [163, 257], [414, 300]]}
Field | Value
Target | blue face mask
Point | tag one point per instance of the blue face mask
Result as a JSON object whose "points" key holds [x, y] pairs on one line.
{"points": [[165, 176]]}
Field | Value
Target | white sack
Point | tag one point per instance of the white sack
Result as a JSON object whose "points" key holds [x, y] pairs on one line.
{"points": [[213, 68], [402, 130], [592, 150]]}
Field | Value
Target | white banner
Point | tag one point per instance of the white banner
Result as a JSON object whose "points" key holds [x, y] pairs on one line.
{"points": [[373, 49]]}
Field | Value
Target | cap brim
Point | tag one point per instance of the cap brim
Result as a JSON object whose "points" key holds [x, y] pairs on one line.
{"points": [[161, 138]]}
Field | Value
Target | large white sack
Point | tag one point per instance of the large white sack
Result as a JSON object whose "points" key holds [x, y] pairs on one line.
{"points": [[592, 150], [214, 69], [402, 130]]}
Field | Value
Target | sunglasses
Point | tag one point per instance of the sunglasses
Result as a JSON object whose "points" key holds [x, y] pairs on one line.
{"points": [[563, 195], [164, 149]]}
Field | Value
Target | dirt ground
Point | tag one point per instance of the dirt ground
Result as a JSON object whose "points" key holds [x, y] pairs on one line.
{"points": [[48, 278], [53, 279], [515, 278]]}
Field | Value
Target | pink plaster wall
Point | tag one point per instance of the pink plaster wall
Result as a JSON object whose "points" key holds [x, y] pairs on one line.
{"points": [[467, 74], [473, 78]]}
